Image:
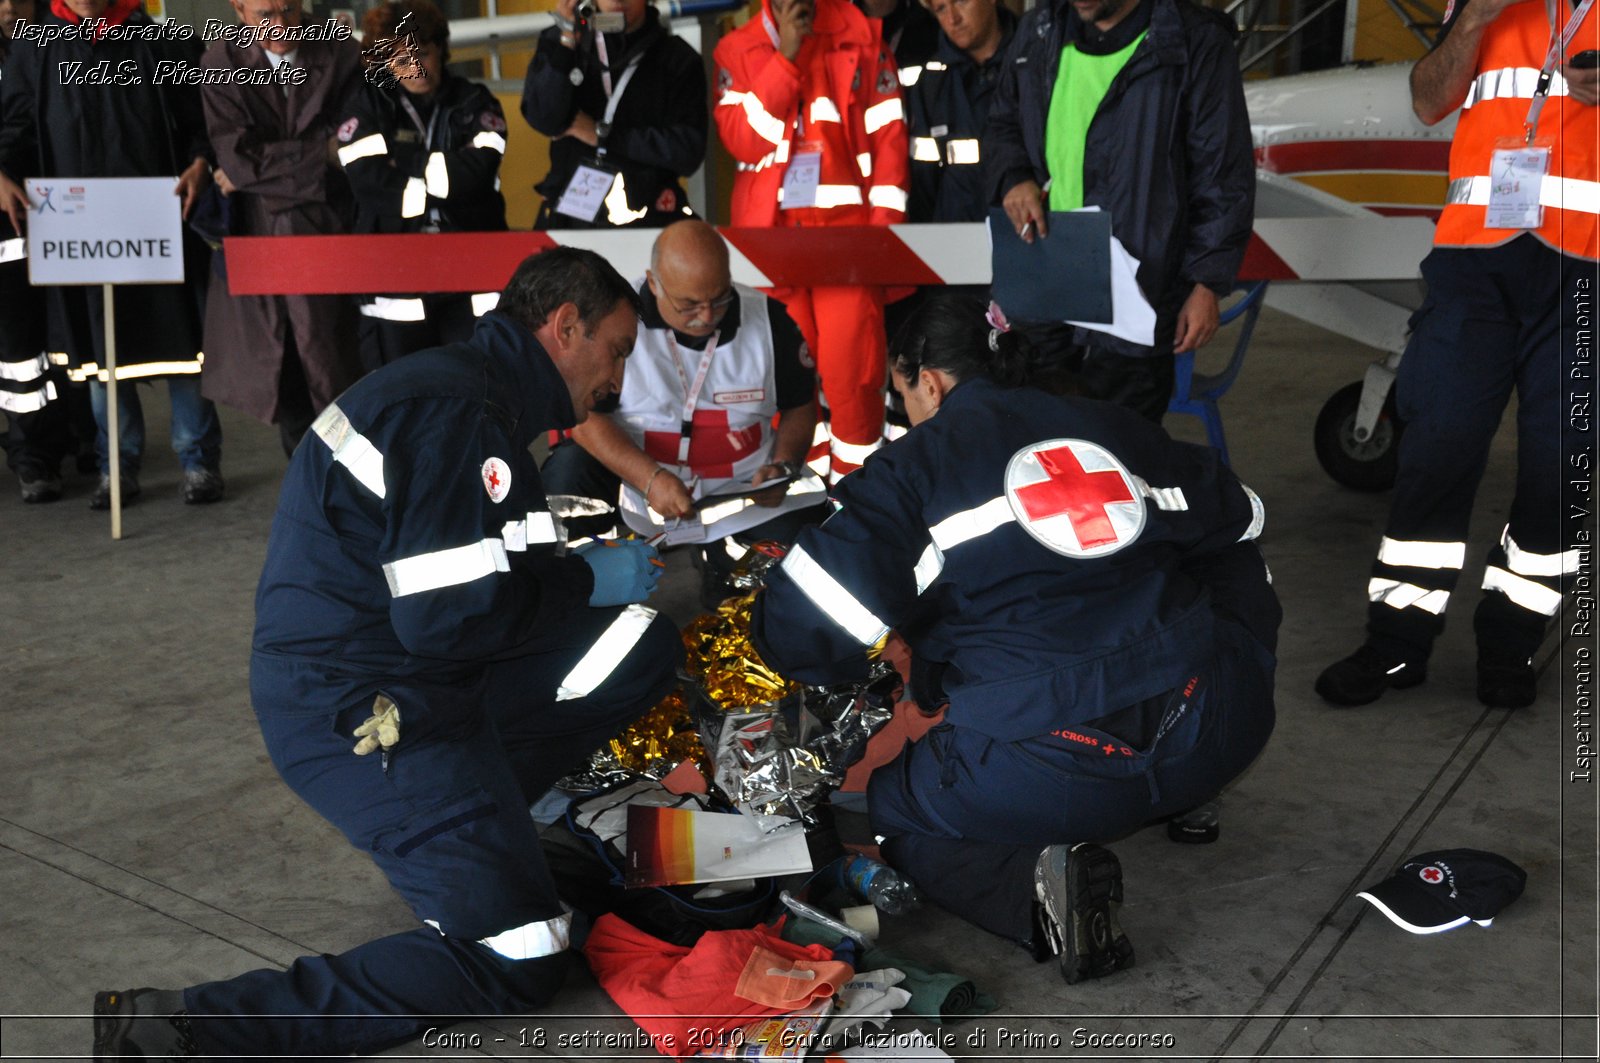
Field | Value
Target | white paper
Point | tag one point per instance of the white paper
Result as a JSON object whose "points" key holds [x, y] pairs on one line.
{"points": [[104, 230], [1515, 177], [586, 193], [719, 519], [1132, 317], [800, 180]]}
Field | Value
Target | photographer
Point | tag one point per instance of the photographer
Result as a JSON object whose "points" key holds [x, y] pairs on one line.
{"points": [[622, 98]]}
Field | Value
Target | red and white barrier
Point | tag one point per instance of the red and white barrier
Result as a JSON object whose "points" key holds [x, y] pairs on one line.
{"points": [[1310, 249]]}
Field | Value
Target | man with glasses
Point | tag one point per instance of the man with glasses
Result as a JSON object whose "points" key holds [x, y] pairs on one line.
{"points": [[715, 362]]}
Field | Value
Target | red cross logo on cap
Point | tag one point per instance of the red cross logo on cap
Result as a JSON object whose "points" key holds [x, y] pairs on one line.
{"points": [[1432, 876], [1075, 497]]}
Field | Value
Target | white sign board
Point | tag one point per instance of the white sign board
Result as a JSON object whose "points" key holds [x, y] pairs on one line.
{"points": [[104, 230]]}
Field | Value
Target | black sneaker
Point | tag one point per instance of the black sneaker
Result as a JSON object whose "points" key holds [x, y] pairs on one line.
{"points": [[142, 1024], [1201, 825], [101, 499], [38, 486], [201, 486], [1079, 888], [1363, 676], [1506, 684]]}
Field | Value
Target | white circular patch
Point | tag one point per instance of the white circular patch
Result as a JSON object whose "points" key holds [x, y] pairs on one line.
{"points": [[496, 479], [1075, 497]]}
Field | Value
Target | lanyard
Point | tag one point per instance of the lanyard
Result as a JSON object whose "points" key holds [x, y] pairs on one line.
{"points": [[691, 392], [613, 96], [416, 120], [1558, 48]]}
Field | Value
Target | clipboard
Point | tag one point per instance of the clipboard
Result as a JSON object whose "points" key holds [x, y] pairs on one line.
{"points": [[744, 489], [1063, 276]]}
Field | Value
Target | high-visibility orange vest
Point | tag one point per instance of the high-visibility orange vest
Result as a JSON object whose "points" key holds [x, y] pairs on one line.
{"points": [[1509, 58]]}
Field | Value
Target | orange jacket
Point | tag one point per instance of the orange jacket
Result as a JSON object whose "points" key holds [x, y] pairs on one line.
{"points": [[840, 96], [1509, 58]]}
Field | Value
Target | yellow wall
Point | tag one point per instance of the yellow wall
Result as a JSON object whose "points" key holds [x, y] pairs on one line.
{"points": [[1381, 36]]}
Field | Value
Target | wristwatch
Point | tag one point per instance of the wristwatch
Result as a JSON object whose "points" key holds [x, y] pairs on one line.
{"points": [[790, 469]]}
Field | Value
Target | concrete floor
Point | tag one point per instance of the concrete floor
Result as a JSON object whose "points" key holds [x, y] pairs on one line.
{"points": [[145, 839]]}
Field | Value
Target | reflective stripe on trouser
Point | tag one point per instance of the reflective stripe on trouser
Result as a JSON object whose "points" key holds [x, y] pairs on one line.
{"points": [[1482, 333], [844, 328]]}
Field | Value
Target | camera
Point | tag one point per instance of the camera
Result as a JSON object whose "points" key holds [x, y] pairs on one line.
{"points": [[591, 17]]}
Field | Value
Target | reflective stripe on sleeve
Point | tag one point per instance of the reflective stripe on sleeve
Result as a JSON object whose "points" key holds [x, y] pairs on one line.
{"points": [[446, 568], [824, 109], [1258, 515], [910, 75], [386, 309], [1527, 563], [436, 176], [414, 200], [1564, 193], [766, 126], [13, 250], [364, 148], [544, 938], [615, 643], [492, 141], [883, 112], [1399, 595], [971, 523], [483, 302], [830, 596], [1171, 499], [889, 197], [1534, 597], [350, 448], [924, 149], [929, 565], [963, 152], [1402, 553], [537, 529]]}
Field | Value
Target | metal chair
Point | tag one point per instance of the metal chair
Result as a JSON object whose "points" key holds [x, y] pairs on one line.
{"points": [[1197, 393]]}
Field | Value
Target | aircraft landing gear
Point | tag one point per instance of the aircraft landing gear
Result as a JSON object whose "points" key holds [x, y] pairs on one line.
{"points": [[1357, 435]]}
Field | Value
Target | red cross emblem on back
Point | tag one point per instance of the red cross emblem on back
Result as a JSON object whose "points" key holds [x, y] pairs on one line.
{"points": [[1075, 497], [1432, 875]]}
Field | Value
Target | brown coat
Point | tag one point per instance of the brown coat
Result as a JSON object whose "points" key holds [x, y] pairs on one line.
{"points": [[274, 149]]}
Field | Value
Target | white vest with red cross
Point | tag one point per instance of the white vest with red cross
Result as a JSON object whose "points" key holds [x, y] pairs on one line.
{"points": [[731, 432]]}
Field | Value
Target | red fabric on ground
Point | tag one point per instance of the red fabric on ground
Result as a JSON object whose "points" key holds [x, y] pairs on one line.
{"points": [[676, 993]]}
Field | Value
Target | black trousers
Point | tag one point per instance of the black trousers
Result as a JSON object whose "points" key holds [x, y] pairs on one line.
{"points": [[1517, 317], [965, 817], [1142, 384]]}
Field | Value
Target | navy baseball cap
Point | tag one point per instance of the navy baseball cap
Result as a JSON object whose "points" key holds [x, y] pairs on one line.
{"points": [[1441, 890]]}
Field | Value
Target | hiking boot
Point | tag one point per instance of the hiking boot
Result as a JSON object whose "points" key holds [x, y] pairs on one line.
{"points": [[1504, 684], [1079, 888], [201, 486], [142, 1024], [101, 499], [38, 485], [1363, 676]]}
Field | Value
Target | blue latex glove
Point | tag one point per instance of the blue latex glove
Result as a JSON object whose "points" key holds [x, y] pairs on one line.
{"points": [[625, 570]]}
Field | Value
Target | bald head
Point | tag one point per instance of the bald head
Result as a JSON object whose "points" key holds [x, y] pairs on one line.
{"points": [[690, 278]]}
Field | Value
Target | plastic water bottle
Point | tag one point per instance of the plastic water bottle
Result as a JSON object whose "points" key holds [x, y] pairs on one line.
{"points": [[880, 884]]}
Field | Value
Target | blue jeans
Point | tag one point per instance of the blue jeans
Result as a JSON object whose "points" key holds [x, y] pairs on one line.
{"points": [[196, 432]]}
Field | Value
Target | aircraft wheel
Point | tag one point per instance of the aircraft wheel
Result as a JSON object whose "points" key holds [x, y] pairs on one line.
{"points": [[1364, 466]]}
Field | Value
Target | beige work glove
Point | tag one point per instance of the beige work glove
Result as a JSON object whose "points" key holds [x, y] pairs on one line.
{"points": [[381, 729]]}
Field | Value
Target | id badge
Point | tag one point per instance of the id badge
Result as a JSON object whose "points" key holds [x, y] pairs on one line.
{"points": [[800, 180], [586, 192], [1516, 173]]}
